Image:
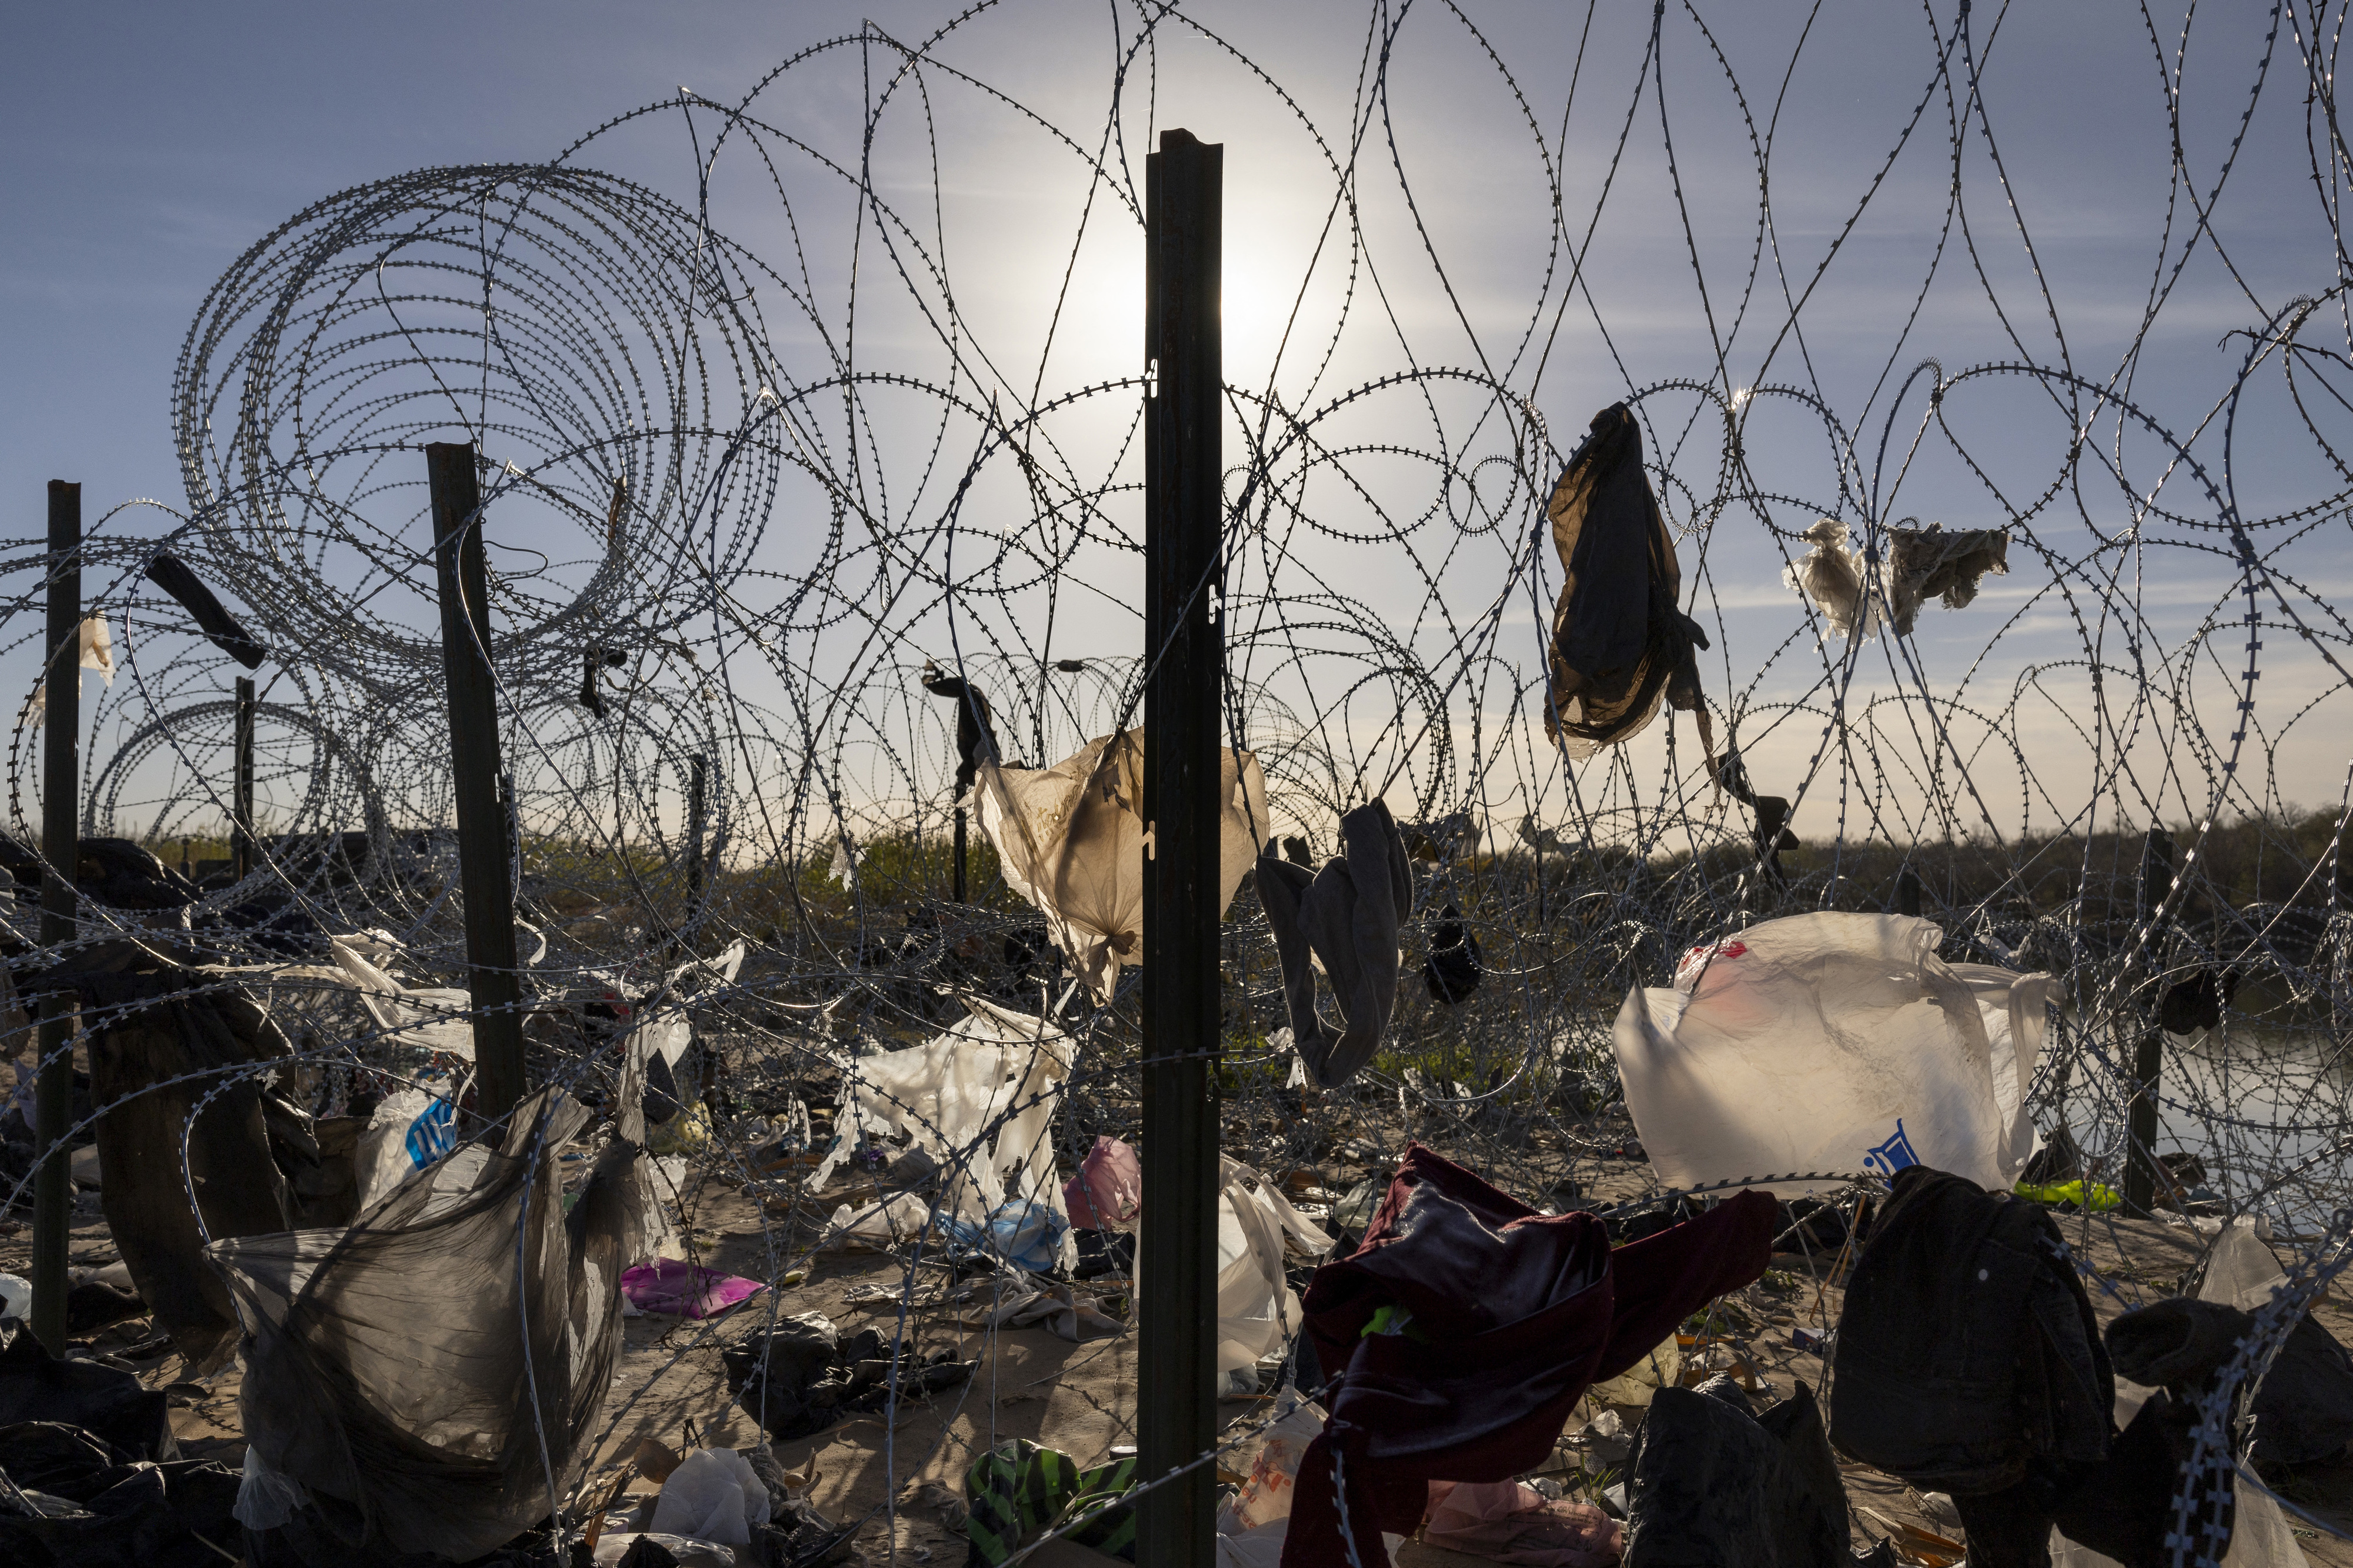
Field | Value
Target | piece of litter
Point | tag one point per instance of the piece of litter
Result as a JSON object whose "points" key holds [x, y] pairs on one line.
{"points": [[682, 1290]]}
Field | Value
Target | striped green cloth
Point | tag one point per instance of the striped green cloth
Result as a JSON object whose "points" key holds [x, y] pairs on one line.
{"points": [[1019, 1492]]}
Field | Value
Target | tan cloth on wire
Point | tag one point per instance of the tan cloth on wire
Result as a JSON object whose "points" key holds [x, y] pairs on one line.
{"points": [[1070, 838]]}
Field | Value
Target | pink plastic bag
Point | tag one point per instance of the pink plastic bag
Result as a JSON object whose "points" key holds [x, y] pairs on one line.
{"points": [[681, 1291], [1108, 1191], [1516, 1524]]}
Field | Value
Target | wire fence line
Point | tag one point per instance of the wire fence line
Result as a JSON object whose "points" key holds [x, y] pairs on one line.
{"points": [[762, 438]]}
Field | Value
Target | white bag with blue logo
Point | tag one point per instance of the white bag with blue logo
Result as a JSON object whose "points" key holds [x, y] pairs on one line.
{"points": [[1832, 1043], [411, 1129]]}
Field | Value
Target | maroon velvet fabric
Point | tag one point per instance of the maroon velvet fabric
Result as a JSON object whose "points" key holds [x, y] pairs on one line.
{"points": [[1521, 1312]]}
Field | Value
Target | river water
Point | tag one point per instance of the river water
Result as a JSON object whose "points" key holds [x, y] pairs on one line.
{"points": [[2267, 1109]]}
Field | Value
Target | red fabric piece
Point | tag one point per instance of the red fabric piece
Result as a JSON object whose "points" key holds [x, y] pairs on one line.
{"points": [[1518, 1313]]}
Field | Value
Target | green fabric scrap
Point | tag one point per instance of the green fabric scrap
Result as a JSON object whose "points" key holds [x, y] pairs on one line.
{"points": [[2103, 1198], [1394, 1320], [1019, 1492]]}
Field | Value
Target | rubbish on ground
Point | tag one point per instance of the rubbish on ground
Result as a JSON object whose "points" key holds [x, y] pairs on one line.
{"points": [[1519, 1313], [947, 1504], [686, 1133], [1057, 1309], [1257, 1309], [1513, 1522], [1260, 1547], [1017, 1492], [95, 1304], [712, 1495], [89, 1505], [1343, 919], [910, 1171], [2055, 1159], [877, 1228], [678, 1289], [993, 1068], [166, 1040], [382, 1362], [1928, 1547], [1271, 1471], [1620, 642], [1070, 840], [107, 1402], [801, 1376], [651, 1548], [1605, 1440], [15, 1296], [1107, 1192], [1830, 1043], [1711, 1480], [1353, 1212], [1024, 1232]]}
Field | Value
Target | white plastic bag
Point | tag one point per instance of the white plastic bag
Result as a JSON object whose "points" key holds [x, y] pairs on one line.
{"points": [[410, 1132], [713, 1495], [1828, 1043], [877, 1227], [429, 1017], [267, 1495], [1258, 1312], [381, 1157], [994, 1068], [2242, 1271], [1834, 575]]}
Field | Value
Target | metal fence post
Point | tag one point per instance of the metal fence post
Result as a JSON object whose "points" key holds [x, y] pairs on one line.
{"points": [[1177, 1398], [482, 835], [60, 855], [2149, 1054]]}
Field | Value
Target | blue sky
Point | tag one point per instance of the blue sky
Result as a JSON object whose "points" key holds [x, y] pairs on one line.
{"points": [[147, 147]]}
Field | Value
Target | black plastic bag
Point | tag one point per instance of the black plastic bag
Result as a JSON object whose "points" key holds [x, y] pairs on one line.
{"points": [[107, 1401], [421, 1373]]}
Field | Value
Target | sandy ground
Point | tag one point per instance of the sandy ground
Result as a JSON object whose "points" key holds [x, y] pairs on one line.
{"points": [[1081, 1398]]}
